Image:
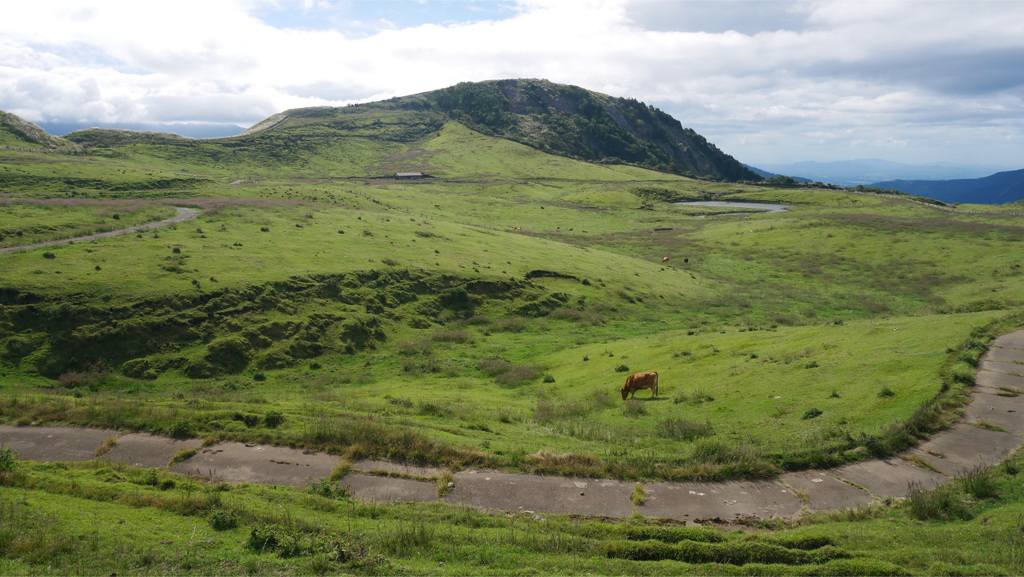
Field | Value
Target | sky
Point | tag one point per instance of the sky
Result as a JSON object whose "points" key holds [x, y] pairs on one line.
{"points": [[767, 81]]}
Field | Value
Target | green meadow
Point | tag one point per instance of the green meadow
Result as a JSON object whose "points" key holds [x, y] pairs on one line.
{"points": [[485, 316]]}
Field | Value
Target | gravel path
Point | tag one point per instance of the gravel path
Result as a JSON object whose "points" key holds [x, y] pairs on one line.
{"points": [[183, 215], [970, 444]]}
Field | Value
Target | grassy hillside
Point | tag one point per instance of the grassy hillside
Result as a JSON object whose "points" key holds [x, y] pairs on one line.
{"points": [[484, 316], [20, 133], [556, 119]]}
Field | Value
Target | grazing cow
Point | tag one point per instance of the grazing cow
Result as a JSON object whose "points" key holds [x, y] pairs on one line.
{"points": [[638, 381], [664, 259], [437, 206]]}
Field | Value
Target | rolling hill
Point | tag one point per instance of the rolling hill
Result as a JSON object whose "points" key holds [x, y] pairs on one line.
{"points": [[20, 133], [553, 118], [999, 188]]}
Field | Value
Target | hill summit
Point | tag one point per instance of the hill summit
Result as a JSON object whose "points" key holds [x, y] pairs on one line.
{"points": [[20, 133], [564, 120]]}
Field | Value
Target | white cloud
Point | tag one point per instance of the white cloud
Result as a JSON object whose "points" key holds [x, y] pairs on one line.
{"points": [[763, 80]]}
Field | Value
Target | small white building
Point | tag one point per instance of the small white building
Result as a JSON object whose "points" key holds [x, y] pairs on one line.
{"points": [[408, 175]]}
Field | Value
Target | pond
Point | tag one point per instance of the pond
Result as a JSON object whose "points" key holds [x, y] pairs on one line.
{"points": [[753, 206]]}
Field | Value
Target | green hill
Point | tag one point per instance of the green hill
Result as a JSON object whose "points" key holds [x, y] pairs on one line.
{"points": [[20, 133], [571, 121], [553, 118]]}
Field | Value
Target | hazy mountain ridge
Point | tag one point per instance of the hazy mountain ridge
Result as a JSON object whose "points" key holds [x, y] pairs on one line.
{"points": [[999, 188], [869, 171]]}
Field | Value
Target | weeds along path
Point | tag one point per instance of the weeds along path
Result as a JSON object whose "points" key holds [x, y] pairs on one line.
{"points": [[183, 215], [991, 429]]}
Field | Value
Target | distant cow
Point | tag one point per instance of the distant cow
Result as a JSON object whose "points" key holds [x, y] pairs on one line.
{"points": [[664, 259], [638, 381]]}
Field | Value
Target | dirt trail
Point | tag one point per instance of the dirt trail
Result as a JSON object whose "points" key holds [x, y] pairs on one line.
{"points": [[183, 215], [947, 454]]}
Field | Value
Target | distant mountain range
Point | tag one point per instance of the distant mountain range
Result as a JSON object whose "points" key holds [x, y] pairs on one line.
{"points": [[190, 130], [869, 171], [998, 188]]}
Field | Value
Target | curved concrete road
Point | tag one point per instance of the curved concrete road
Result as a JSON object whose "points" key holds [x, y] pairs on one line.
{"points": [[997, 400], [183, 215]]}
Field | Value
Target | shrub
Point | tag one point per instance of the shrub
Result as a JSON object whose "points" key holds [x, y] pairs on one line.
{"points": [[261, 539], [812, 413], [182, 429], [8, 462], [49, 255], [222, 521], [942, 503], [325, 489], [622, 369], [232, 353], [980, 483], [272, 419], [549, 379], [886, 393]]}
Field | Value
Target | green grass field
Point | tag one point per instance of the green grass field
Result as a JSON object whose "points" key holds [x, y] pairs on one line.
{"points": [[487, 316]]}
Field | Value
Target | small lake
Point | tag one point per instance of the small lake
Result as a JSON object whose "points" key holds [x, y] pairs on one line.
{"points": [[753, 206]]}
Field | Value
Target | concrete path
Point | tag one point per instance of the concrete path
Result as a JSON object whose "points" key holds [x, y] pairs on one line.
{"points": [[183, 215], [991, 429]]}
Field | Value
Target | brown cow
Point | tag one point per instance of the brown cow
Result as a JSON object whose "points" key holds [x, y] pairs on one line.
{"points": [[638, 381]]}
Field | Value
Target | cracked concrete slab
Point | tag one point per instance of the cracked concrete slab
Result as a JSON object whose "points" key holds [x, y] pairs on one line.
{"points": [[965, 447], [989, 407], [145, 450], [1002, 355], [996, 379], [1008, 368], [729, 501], [49, 444], [541, 494], [376, 489], [823, 492], [1014, 340], [244, 463], [369, 466], [888, 477]]}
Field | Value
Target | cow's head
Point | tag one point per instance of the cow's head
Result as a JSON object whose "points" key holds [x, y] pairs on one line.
{"points": [[625, 388]]}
